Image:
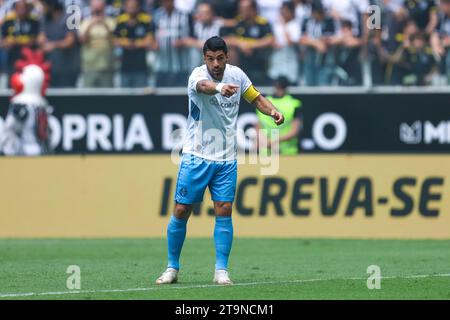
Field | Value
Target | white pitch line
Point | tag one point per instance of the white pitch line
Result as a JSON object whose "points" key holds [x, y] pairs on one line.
{"points": [[30, 294]]}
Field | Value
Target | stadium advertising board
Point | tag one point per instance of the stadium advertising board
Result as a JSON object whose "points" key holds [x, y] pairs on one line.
{"points": [[358, 196], [357, 123]]}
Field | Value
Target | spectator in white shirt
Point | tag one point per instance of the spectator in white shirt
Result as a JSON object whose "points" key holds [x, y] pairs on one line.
{"points": [[319, 60], [269, 9], [302, 10], [354, 11], [284, 59], [206, 26], [185, 6], [395, 6]]}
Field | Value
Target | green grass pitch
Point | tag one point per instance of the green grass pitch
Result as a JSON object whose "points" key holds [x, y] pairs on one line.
{"points": [[260, 268]]}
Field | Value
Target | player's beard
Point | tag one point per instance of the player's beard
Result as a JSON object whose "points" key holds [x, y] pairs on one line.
{"points": [[217, 73]]}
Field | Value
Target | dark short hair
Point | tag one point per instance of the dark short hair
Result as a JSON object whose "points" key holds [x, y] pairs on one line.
{"points": [[254, 5], [346, 24], [317, 6], [407, 22], [215, 44], [288, 5], [419, 36], [54, 4], [208, 3], [282, 82]]}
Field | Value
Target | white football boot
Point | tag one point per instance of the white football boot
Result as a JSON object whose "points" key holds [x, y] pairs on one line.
{"points": [[221, 277], [168, 276]]}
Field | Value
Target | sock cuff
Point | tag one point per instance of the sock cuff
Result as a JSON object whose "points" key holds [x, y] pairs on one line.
{"points": [[223, 219], [178, 221]]}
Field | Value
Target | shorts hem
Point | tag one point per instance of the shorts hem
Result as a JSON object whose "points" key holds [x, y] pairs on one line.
{"points": [[223, 199], [188, 201]]}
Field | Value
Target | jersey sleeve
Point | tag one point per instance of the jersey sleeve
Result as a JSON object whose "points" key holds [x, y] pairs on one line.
{"points": [[197, 75], [267, 30]]}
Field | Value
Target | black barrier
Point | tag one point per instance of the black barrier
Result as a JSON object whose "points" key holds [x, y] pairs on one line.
{"points": [[334, 123]]}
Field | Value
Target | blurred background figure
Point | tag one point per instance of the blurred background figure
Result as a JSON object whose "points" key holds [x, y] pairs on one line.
{"points": [[415, 61], [441, 40], [319, 61], [289, 131], [134, 35], [284, 60], [376, 58], [394, 6], [5, 7], [96, 35], [348, 63], [394, 47], [206, 25], [20, 29], [174, 56], [59, 45], [394, 14], [424, 13], [252, 38], [269, 9], [113, 7], [354, 11], [225, 9], [185, 6], [302, 10], [227, 12], [3, 12]]}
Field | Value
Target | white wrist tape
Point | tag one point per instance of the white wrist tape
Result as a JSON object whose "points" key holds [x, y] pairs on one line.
{"points": [[219, 87]]}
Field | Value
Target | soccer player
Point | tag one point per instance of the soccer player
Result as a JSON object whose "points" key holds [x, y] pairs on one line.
{"points": [[209, 153]]}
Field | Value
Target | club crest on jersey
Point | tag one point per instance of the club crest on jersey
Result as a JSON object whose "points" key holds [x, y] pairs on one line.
{"points": [[214, 101]]}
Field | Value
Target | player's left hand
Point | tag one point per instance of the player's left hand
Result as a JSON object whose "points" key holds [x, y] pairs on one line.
{"points": [[277, 117]]}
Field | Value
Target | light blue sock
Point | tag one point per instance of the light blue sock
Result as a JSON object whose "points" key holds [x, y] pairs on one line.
{"points": [[223, 238], [176, 233]]}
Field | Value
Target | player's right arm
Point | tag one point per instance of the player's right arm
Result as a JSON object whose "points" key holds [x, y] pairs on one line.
{"points": [[211, 88]]}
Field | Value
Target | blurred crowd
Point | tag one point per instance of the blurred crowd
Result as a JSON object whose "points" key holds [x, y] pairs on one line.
{"points": [[140, 43]]}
